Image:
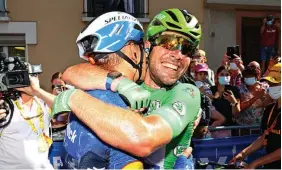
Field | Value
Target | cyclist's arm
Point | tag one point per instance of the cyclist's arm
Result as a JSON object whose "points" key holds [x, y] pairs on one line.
{"points": [[268, 158], [129, 131], [121, 128], [86, 76]]}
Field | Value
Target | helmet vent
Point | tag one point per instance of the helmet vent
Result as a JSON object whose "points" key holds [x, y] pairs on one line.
{"points": [[172, 15], [197, 25], [173, 25], [136, 26], [187, 18], [157, 23], [194, 33], [186, 15]]}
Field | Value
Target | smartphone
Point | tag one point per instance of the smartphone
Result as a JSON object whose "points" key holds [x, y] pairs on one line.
{"points": [[233, 50]]}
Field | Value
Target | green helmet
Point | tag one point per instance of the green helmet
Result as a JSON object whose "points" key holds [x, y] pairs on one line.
{"points": [[177, 20]]}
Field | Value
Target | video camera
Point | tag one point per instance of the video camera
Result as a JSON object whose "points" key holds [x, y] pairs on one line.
{"points": [[14, 73]]}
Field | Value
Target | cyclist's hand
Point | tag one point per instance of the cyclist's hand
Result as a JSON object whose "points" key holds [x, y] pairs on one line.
{"points": [[134, 95], [238, 157], [61, 102]]}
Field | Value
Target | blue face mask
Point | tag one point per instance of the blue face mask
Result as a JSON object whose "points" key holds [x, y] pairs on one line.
{"points": [[224, 80], [269, 22], [250, 81]]}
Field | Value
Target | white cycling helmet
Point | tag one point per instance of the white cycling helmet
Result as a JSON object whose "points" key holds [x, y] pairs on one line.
{"points": [[108, 33]]}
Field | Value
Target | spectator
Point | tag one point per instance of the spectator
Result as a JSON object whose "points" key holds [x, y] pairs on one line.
{"points": [[60, 121], [271, 126], [191, 68], [269, 32], [253, 98], [201, 72], [189, 75], [236, 67], [272, 62], [58, 85], [201, 57], [25, 142], [201, 75], [255, 65], [227, 100]]}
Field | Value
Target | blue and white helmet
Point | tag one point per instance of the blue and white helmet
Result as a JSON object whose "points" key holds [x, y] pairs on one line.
{"points": [[109, 33]]}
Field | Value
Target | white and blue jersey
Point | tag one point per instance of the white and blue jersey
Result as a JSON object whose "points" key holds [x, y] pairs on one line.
{"points": [[85, 149]]}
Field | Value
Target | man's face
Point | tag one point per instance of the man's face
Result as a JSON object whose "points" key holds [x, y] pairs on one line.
{"points": [[166, 67], [58, 85]]}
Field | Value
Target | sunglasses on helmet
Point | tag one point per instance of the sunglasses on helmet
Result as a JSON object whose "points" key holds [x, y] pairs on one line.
{"points": [[176, 42]]}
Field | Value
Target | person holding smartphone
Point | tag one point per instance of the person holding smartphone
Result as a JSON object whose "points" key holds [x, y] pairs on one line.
{"points": [[227, 100], [269, 32]]}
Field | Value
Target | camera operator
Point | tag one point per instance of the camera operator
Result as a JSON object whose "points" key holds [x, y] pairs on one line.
{"points": [[25, 142]]}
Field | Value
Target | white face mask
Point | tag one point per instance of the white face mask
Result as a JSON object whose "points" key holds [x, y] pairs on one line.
{"points": [[192, 74], [250, 81], [233, 66], [275, 92], [224, 80]]}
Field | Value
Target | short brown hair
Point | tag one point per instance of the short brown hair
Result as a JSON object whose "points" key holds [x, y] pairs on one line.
{"points": [[56, 75]]}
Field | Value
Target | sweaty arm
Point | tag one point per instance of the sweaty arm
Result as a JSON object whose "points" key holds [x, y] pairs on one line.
{"points": [[129, 131], [121, 128], [86, 76]]}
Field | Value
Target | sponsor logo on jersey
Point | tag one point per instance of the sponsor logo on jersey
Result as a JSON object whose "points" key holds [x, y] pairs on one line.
{"points": [[154, 105], [71, 134], [190, 91], [178, 150], [179, 108]]}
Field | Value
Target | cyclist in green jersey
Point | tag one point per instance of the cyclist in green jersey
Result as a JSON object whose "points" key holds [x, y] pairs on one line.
{"points": [[174, 35]]}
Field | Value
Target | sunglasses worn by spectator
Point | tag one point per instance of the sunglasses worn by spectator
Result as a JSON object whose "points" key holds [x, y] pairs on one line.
{"points": [[176, 42], [59, 88]]}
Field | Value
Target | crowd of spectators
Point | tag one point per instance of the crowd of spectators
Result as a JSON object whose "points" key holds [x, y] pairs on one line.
{"points": [[236, 91]]}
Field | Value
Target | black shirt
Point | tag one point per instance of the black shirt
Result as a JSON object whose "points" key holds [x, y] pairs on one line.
{"points": [[274, 137], [223, 106]]}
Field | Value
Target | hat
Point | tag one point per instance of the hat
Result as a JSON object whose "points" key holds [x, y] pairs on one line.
{"points": [[274, 75], [201, 67], [202, 53]]}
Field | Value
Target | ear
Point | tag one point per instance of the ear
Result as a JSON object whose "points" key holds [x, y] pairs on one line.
{"points": [[147, 44], [134, 52]]}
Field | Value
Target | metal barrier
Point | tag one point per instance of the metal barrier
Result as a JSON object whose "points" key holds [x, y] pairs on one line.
{"points": [[253, 129], [222, 150]]}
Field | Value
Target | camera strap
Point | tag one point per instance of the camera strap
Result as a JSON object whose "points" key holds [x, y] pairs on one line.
{"points": [[44, 142]]}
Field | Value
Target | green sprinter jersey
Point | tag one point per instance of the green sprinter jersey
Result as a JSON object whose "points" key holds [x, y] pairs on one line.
{"points": [[179, 107]]}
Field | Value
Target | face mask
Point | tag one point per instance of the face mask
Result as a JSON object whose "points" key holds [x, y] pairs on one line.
{"points": [[268, 22], [192, 74], [233, 66], [250, 81], [275, 92], [224, 80]]}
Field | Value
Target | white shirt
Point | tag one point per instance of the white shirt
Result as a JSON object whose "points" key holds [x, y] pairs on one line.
{"points": [[18, 143]]}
